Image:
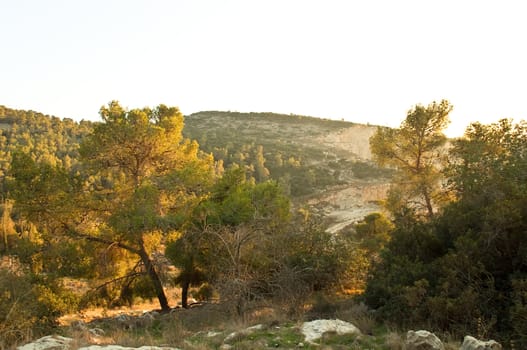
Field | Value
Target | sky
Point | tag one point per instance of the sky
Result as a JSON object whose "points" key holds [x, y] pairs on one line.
{"points": [[361, 61]]}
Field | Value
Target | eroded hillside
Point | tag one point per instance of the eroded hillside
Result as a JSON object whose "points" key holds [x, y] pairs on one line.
{"points": [[324, 164]]}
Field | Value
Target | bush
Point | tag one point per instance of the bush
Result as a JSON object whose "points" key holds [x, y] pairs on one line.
{"points": [[29, 308], [518, 313]]}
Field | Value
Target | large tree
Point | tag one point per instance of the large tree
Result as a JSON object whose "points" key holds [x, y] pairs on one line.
{"points": [[415, 150], [140, 178]]}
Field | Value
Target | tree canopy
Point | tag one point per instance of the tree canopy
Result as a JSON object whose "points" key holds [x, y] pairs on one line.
{"points": [[416, 150], [465, 270], [141, 175]]}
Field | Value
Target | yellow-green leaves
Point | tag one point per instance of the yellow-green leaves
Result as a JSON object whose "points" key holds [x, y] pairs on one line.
{"points": [[416, 151]]}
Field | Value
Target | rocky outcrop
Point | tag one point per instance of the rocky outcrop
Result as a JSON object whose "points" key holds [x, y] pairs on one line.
{"points": [[355, 139], [50, 342], [347, 204], [55, 342], [119, 347], [314, 330], [471, 343], [423, 340]]}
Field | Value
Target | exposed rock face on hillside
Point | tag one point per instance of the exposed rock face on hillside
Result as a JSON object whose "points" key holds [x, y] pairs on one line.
{"points": [[354, 140], [348, 204]]}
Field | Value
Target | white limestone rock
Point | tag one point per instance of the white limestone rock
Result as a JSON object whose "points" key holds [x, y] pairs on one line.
{"points": [[314, 330], [423, 340], [471, 343], [234, 336], [54, 342], [119, 347]]}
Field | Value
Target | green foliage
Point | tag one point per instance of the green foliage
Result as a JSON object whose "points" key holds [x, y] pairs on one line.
{"points": [[322, 258], [278, 147], [415, 150], [518, 312], [160, 177], [188, 254], [139, 143], [43, 192], [139, 178], [464, 271], [45, 138], [28, 307], [373, 232], [228, 235]]}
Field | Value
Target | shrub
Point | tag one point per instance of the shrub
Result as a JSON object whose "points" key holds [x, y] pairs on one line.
{"points": [[29, 307]]}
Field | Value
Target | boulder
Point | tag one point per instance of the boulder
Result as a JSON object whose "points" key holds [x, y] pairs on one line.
{"points": [[314, 330], [471, 343], [54, 342], [119, 347], [423, 340]]}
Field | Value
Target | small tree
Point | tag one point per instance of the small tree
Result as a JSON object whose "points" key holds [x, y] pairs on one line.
{"points": [[188, 254], [228, 236], [415, 150]]}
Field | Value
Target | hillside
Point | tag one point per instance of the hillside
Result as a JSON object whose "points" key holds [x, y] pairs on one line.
{"points": [[46, 138], [325, 164]]}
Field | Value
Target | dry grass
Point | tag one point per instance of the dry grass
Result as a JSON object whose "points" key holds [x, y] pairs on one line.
{"points": [[207, 327], [394, 341]]}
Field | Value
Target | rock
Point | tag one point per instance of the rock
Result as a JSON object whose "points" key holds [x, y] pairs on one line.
{"points": [[55, 342], [471, 343], [423, 340], [211, 334], [257, 327], [119, 347], [314, 330], [97, 332], [235, 336]]}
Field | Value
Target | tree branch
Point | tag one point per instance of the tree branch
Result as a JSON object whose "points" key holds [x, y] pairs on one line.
{"points": [[101, 240], [130, 275]]}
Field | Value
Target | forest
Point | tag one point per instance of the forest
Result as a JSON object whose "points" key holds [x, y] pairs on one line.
{"points": [[105, 214]]}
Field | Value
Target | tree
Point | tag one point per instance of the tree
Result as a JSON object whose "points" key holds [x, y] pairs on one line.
{"points": [[188, 254], [140, 178], [415, 150], [262, 173], [465, 270], [373, 233], [226, 241]]}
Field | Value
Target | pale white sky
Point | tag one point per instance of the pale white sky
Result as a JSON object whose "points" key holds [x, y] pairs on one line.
{"points": [[362, 61]]}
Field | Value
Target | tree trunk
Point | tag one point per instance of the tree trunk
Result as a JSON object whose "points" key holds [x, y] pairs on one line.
{"points": [[184, 293], [5, 216], [154, 277], [428, 202]]}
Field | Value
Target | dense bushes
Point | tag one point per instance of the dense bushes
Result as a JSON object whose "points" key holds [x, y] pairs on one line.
{"points": [[29, 307], [464, 270]]}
